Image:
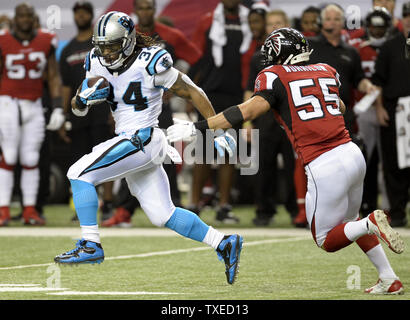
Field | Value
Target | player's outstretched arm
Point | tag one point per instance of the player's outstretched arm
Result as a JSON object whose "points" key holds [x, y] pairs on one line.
{"points": [[249, 110], [184, 87]]}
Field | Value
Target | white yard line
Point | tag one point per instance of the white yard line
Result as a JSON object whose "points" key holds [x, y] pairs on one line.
{"points": [[134, 232], [31, 289], [168, 252], [19, 285], [296, 234], [109, 293], [75, 232]]}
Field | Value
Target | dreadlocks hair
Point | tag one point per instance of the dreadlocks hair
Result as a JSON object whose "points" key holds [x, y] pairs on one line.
{"points": [[144, 41]]}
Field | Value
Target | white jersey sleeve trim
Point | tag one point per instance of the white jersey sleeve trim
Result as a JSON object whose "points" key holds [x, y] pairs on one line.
{"points": [[166, 79]]}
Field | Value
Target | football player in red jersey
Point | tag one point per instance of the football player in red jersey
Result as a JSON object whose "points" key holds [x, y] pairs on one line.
{"points": [[26, 55], [305, 100]]}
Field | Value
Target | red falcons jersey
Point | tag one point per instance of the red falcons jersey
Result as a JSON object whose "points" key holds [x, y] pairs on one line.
{"points": [[23, 64], [368, 55], [305, 101]]}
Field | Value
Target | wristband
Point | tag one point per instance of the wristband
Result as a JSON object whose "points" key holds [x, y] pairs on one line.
{"points": [[233, 115], [202, 126], [57, 102]]}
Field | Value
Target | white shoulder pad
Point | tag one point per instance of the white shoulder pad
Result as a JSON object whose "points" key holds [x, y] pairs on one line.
{"points": [[157, 60]]}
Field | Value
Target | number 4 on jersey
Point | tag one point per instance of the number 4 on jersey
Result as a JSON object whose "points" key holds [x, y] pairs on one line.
{"points": [[133, 95]]}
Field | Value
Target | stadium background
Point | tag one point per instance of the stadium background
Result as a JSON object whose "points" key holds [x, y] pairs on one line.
{"points": [[58, 16], [269, 271], [184, 13]]}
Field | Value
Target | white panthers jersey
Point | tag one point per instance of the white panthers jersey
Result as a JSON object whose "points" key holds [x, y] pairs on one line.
{"points": [[138, 89]]}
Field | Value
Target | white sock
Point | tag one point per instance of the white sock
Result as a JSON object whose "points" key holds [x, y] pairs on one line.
{"points": [[6, 187], [91, 233], [213, 237], [355, 229], [30, 179], [378, 257]]}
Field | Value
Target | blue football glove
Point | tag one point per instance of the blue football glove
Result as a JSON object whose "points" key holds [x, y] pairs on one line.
{"points": [[225, 142], [91, 95]]}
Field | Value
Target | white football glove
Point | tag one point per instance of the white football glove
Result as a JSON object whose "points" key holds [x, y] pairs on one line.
{"points": [[57, 119], [92, 95], [225, 142], [181, 130]]}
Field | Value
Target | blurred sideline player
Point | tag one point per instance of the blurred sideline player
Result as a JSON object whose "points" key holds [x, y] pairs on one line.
{"points": [[305, 99], [310, 21], [138, 72], [223, 36], [396, 24], [180, 48], [378, 27], [27, 54]]}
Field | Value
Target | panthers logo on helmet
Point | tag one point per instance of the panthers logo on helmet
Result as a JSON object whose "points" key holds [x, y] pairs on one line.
{"points": [[127, 23]]}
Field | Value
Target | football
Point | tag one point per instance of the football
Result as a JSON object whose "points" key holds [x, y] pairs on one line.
{"points": [[93, 80]]}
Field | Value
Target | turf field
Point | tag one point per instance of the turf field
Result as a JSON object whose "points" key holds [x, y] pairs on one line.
{"points": [[145, 263]]}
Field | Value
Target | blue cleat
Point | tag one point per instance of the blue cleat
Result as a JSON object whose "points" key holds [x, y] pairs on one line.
{"points": [[85, 252], [229, 250]]}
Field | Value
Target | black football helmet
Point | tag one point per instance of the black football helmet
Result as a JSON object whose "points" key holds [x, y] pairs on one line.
{"points": [[285, 46], [378, 25], [379, 17]]}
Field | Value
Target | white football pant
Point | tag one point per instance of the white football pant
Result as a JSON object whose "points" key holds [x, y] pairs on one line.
{"points": [[143, 171], [335, 188], [22, 130]]}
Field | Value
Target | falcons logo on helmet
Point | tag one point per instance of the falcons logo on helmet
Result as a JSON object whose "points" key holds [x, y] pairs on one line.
{"points": [[276, 43]]}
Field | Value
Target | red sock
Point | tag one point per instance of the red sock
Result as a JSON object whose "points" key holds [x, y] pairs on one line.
{"points": [[300, 180], [367, 242], [336, 239]]}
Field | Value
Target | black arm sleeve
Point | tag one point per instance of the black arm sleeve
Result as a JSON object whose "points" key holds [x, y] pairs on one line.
{"points": [[267, 95]]}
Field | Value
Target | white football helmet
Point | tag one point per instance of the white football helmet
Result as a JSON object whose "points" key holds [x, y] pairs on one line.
{"points": [[114, 38]]}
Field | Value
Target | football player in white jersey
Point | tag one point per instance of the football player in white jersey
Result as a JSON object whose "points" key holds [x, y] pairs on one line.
{"points": [[138, 72]]}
